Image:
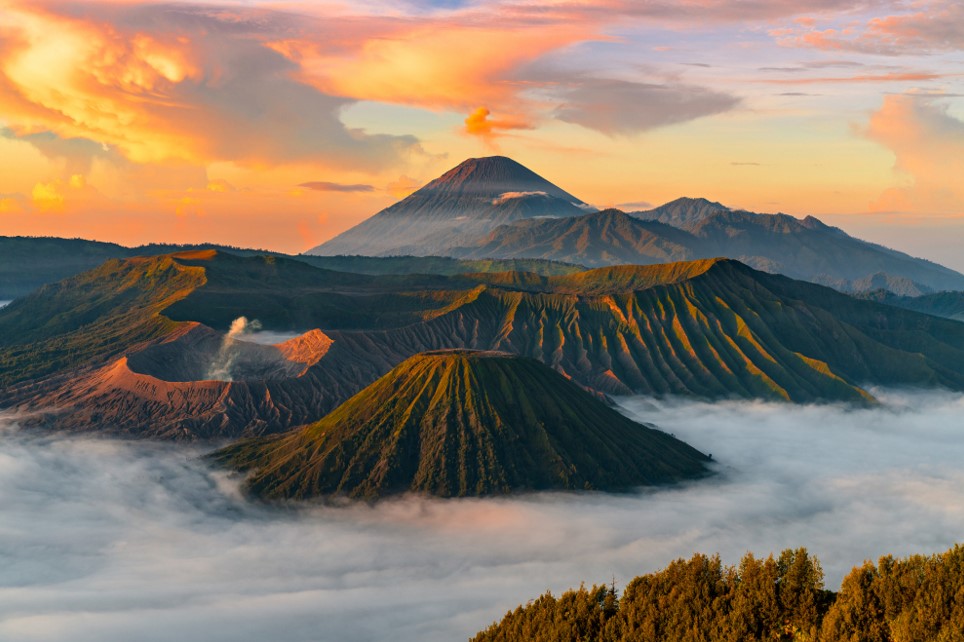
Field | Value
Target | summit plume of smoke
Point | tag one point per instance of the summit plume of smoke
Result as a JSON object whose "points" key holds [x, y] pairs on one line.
{"points": [[220, 369]]}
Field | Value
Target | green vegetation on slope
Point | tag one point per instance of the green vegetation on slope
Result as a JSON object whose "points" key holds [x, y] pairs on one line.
{"points": [[463, 424], [26, 263], [714, 329], [701, 600], [86, 319]]}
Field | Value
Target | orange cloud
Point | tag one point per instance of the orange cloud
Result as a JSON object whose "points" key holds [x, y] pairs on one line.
{"points": [[479, 124], [907, 76], [158, 83], [928, 144], [220, 185], [402, 187], [442, 64], [10, 205], [93, 81]]}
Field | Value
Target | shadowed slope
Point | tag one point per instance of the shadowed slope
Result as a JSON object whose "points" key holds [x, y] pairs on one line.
{"points": [[689, 229], [949, 305], [609, 237], [459, 424], [93, 316]]}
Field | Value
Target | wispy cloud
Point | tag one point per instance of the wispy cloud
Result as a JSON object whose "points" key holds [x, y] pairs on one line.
{"points": [[622, 107], [895, 76], [327, 186], [922, 27]]}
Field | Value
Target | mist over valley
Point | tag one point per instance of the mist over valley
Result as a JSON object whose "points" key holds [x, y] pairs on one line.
{"points": [[113, 540]]}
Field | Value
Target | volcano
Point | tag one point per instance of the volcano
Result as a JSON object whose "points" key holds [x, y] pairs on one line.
{"points": [[457, 208], [464, 423]]}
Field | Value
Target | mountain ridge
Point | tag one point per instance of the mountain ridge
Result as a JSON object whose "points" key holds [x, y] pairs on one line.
{"points": [[777, 243], [449, 217], [710, 329]]}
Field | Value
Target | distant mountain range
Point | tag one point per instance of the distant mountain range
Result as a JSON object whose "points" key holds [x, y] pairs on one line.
{"points": [[463, 423], [949, 305], [496, 208], [131, 346]]}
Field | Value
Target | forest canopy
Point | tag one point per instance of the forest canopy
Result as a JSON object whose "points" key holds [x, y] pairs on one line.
{"points": [[920, 598]]}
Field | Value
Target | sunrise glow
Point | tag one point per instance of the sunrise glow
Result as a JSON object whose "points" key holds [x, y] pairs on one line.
{"points": [[281, 124]]}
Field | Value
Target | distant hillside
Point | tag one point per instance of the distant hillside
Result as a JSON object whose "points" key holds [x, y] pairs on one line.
{"points": [[683, 213], [458, 424], [127, 348], [949, 305], [26, 263], [378, 265], [467, 201], [609, 237], [694, 228]]}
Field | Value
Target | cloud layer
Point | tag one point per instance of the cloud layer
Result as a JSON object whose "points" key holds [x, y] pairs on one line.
{"points": [[109, 541]]}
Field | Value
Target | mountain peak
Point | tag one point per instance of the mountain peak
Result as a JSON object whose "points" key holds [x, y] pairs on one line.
{"points": [[461, 205], [683, 212], [694, 201], [495, 176]]}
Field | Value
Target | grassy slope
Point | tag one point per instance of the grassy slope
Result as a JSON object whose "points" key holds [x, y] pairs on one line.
{"points": [[26, 263], [88, 318], [728, 331], [464, 424]]}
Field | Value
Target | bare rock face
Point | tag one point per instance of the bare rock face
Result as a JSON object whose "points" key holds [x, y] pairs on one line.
{"points": [[166, 390]]}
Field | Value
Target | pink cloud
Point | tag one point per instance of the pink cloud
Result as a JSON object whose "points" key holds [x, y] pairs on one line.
{"points": [[931, 26], [928, 146]]}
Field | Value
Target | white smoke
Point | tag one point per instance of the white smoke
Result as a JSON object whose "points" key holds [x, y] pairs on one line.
{"points": [[269, 337], [113, 541], [508, 196], [220, 368]]}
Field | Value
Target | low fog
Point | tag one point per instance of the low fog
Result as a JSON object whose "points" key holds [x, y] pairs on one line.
{"points": [[115, 541]]}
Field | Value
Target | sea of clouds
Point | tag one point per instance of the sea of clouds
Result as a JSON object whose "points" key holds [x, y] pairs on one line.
{"points": [[115, 541]]}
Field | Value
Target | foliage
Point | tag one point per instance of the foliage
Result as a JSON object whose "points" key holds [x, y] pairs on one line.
{"points": [[920, 599]]}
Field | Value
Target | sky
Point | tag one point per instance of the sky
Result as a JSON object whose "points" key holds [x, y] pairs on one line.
{"points": [[111, 541], [278, 124]]}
